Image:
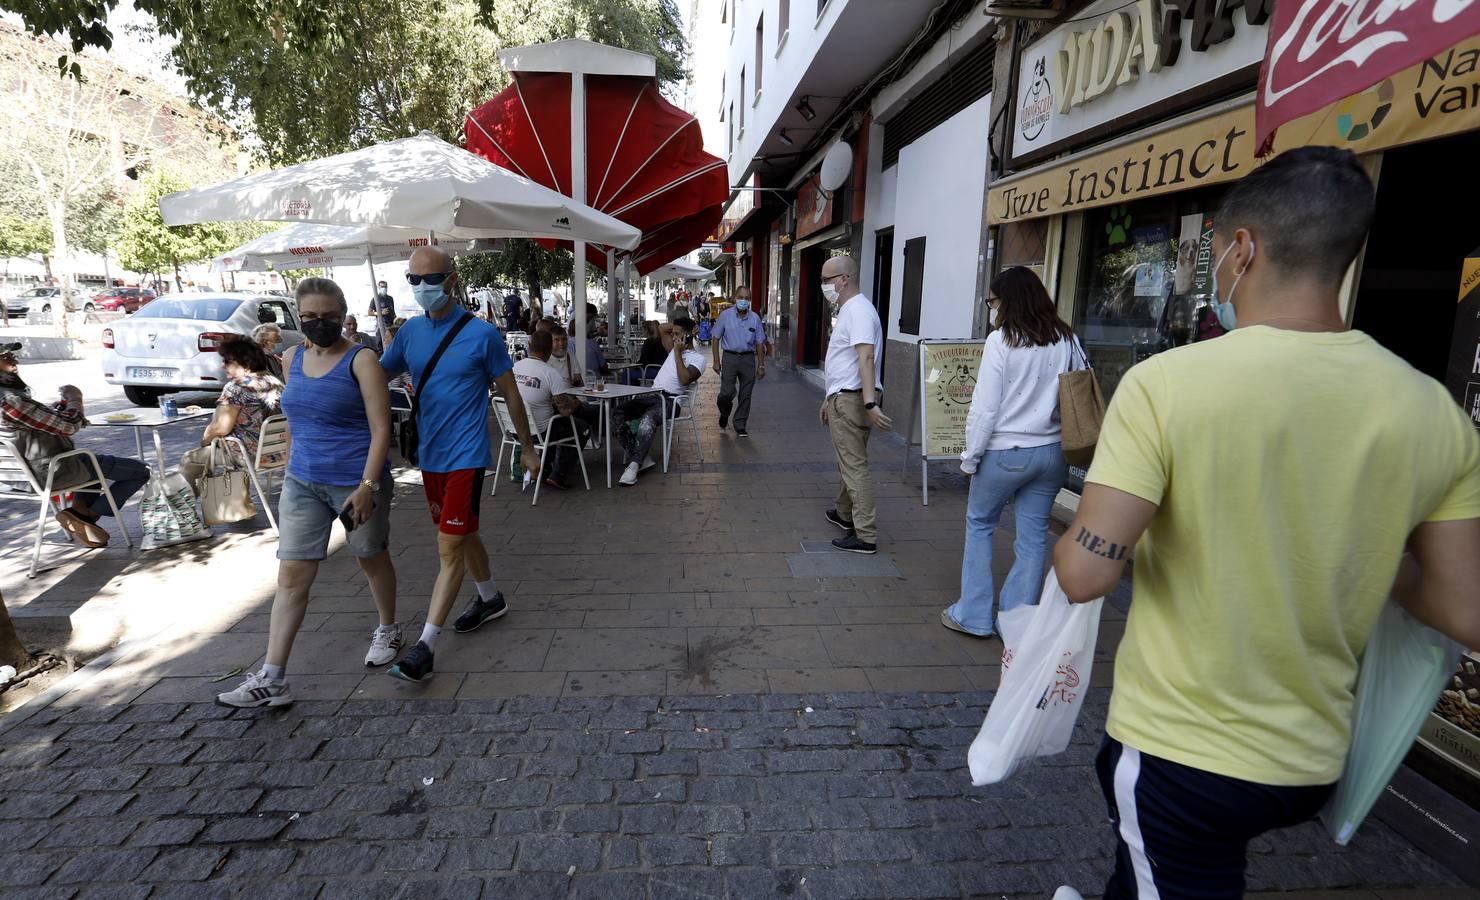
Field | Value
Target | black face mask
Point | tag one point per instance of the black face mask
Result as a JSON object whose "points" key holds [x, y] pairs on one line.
{"points": [[323, 332]]}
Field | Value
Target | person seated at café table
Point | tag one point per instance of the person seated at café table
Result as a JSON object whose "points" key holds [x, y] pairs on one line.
{"points": [[269, 337], [40, 432], [586, 414], [682, 368], [352, 332], [251, 395], [540, 386]]}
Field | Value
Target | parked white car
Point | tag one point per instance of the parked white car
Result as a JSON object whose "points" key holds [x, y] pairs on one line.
{"points": [[171, 343]]}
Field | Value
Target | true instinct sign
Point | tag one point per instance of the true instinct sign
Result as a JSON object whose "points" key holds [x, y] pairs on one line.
{"points": [[1439, 96]]}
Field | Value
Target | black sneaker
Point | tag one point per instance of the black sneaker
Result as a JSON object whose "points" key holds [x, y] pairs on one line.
{"points": [[833, 517], [416, 665], [741, 432], [724, 419], [852, 544], [480, 611]]}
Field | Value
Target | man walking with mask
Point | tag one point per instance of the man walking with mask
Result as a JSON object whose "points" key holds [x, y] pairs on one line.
{"points": [[452, 356], [740, 336], [383, 309], [852, 407], [1287, 479]]}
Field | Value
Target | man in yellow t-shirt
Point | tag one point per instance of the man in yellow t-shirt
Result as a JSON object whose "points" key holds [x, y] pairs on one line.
{"points": [[1270, 481]]}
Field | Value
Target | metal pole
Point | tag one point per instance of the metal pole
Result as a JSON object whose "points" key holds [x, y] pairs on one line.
{"points": [[578, 194], [614, 327], [628, 289]]}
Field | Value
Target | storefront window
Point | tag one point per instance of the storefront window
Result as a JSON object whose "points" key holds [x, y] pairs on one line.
{"points": [[1146, 285]]}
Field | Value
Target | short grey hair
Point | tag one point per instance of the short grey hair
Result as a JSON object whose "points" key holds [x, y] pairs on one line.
{"points": [[263, 329], [323, 287]]}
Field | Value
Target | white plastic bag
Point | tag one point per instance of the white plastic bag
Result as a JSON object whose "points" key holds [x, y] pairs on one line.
{"points": [[1403, 669], [169, 514], [1045, 675]]}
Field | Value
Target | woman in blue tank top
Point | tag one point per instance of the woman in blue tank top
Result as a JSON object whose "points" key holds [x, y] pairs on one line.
{"points": [[338, 413]]}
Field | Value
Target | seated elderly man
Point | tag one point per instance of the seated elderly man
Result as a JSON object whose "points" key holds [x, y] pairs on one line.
{"points": [[540, 386], [40, 432], [682, 367]]}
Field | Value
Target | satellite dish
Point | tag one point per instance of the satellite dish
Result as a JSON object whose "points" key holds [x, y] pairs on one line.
{"points": [[836, 166]]}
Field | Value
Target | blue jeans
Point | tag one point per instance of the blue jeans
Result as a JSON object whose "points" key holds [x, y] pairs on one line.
{"points": [[1031, 477], [125, 477]]}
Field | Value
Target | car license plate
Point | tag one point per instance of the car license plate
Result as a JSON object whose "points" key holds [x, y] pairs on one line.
{"points": [[150, 374]]}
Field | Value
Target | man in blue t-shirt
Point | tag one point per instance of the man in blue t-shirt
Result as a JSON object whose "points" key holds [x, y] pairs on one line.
{"points": [[453, 450]]}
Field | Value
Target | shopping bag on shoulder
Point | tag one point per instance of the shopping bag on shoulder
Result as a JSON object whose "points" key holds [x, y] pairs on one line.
{"points": [[1081, 412], [1045, 675], [168, 513], [1404, 667]]}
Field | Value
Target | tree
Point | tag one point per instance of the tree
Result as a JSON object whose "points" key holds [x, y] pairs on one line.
{"points": [[146, 244], [22, 236], [521, 262], [370, 70]]}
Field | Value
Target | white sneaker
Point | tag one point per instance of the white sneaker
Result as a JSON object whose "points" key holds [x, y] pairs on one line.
{"points": [[256, 691], [1067, 893], [385, 643], [646, 464], [629, 475]]}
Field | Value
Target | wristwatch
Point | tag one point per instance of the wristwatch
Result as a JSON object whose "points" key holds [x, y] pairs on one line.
{"points": [[374, 486], [870, 405]]}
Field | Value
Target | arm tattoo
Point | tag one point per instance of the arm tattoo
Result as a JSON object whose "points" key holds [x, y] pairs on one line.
{"points": [[1099, 546]]}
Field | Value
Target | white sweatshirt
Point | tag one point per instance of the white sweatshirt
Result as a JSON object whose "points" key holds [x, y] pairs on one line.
{"points": [[1016, 400]]}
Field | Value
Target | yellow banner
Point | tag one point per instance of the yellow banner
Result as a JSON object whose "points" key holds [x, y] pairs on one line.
{"points": [[947, 379], [1469, 277], [1440, 96]]}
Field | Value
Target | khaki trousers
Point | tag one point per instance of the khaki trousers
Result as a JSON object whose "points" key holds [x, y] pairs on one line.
{"points": [[848, 423]]}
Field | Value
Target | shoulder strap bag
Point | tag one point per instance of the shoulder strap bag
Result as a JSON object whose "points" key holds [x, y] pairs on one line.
{"points": [[410, 436], [1081, 409]]}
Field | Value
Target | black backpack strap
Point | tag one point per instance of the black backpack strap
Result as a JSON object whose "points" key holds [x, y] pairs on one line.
{"points": [[426, 374]]}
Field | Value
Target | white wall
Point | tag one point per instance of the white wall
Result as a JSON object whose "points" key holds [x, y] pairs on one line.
{"points": [[941, 178], [880, 188]]}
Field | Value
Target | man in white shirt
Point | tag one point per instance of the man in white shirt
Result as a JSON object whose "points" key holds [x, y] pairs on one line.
{"points": [[851, 409], [673, 378], [541, 386]]}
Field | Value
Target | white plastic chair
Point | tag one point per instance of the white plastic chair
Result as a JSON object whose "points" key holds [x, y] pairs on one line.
{"points": [[542, 443], [12, 462], [681, 409], [275, 438]]}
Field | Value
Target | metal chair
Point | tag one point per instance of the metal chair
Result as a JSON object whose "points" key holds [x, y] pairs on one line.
{"points": [[542, 443], [11, 462], [275, 439], [682, 403]]}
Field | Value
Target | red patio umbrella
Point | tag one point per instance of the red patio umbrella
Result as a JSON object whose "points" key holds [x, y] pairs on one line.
{"points": [[645, 157]]}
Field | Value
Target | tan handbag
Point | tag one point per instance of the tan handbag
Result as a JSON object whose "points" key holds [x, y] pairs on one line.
{"points": [[225, 495], [1081, 412]]}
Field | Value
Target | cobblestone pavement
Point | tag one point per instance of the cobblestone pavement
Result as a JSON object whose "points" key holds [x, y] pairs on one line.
{"points": [[825, 796], [635, 727]]}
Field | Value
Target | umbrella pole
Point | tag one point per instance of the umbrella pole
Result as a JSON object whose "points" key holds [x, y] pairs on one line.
{"points": [[370, 264], [614, 320], [628, 290], [578, 194]]}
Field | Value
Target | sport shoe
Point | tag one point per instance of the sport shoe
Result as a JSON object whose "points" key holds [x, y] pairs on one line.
{"points": [[646, 464], [1067, 893], [629, 475], [741, 432], [833, 517], [724, 419], [852, 544], [416, 665], [385, 643], [480, 611], [257, 691]]}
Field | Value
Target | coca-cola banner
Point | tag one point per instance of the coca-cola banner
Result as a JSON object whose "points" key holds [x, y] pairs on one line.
{"points": [[1323, 50]]}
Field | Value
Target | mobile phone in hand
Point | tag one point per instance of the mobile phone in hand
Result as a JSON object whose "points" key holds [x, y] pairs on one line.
{"points": [[347, 520]]}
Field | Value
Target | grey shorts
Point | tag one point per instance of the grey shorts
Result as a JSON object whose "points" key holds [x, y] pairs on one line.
{"points": [[306, 514]]}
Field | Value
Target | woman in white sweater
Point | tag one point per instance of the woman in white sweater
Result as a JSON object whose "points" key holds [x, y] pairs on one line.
{"points": [[1012, 446]]}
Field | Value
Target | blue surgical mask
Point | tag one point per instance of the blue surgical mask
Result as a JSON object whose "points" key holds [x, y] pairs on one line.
{"points": [[1223, 309], [430, 297], [743, 305]]}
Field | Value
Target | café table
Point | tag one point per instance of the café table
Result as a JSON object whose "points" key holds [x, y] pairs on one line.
{"points": [[153, 420], [613, 394]]}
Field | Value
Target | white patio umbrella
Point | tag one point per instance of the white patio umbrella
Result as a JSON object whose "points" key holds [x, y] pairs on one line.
{"points": [[308, 245], [419, 182], [681, 269]]}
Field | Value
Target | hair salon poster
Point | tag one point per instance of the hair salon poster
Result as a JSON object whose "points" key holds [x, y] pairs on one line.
{"points": [[1464, 354]]}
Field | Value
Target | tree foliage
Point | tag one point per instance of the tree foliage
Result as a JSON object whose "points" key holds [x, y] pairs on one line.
{"points": [[522, 264], [146, 244]]}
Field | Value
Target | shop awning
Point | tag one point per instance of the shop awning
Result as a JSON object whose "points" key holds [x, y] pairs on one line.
{"points": [[645, 159]]}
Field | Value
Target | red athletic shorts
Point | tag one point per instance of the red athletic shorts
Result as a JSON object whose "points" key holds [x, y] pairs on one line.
{"points": [[453, 499]]}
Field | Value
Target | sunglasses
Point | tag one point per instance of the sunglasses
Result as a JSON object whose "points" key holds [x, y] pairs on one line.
{"points": [[432, 278]]}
